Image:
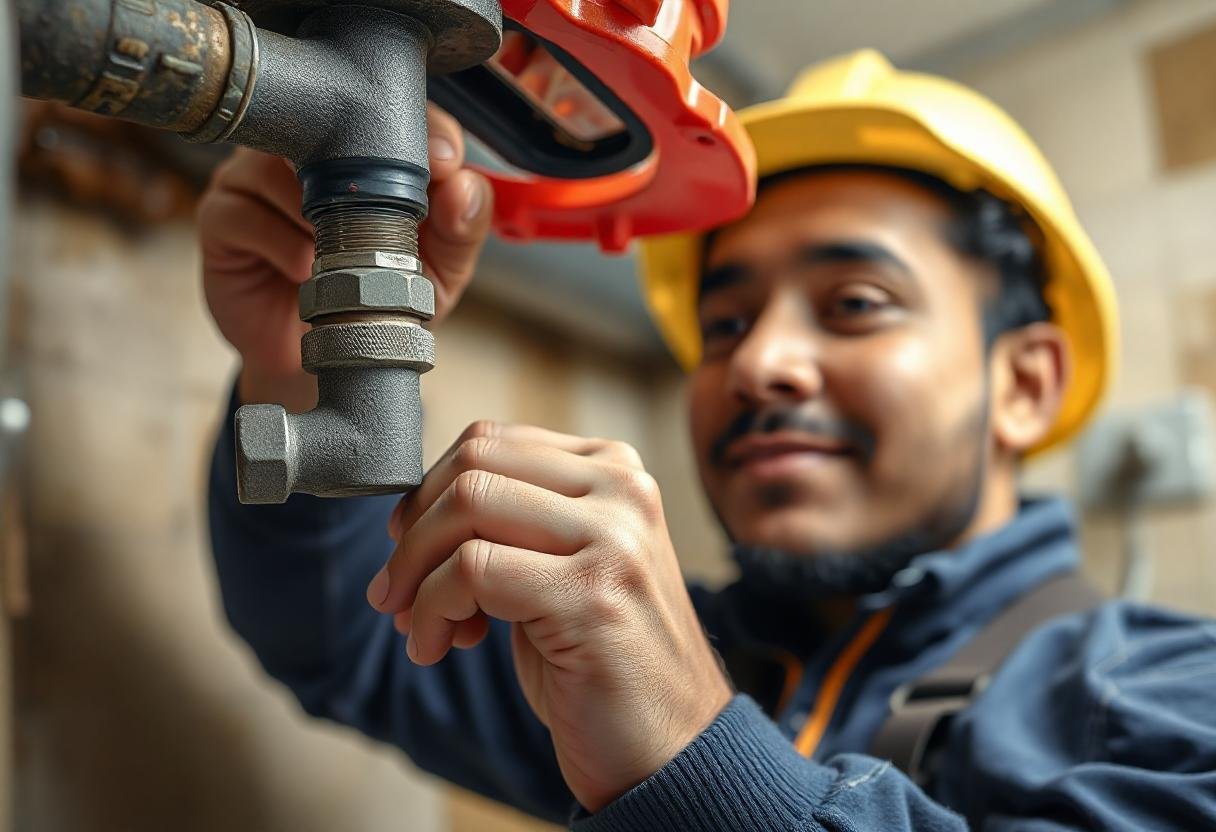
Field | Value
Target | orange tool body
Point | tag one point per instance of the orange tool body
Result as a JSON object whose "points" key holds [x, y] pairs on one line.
{"points": [[701, 169]]}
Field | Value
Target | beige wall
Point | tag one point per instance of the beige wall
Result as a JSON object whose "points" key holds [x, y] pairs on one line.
{"points": [[137, 707], [1087, 98]]}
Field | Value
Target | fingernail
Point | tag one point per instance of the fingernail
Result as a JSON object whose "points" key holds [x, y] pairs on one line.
{"points": [[377, 590], [476, 198], [441, 149], [411, 648]]}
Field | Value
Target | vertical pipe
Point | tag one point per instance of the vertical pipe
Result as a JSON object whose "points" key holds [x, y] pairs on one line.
{"points": [[8, 129]]}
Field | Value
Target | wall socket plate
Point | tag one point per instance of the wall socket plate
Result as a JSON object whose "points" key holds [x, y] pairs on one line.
{"points": [[1160, 455]]}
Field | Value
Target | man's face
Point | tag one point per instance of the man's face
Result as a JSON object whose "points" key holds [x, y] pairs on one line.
{"points": [[841, 400]]}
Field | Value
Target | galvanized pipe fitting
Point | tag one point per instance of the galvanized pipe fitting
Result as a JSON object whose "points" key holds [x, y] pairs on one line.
{"points": [[339, 89], [365, 191], [367, 348], [364, 437], [351, 84]]}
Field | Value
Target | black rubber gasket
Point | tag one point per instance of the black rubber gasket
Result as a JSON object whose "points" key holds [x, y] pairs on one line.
{"points": [[505, 121], [364, 181]]}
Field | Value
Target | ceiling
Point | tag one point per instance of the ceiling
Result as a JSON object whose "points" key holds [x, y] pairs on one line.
{"points": [[790, 34], [579, 291]]}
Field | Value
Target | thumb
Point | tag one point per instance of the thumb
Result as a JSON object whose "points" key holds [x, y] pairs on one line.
{"points": [[454, 233]]}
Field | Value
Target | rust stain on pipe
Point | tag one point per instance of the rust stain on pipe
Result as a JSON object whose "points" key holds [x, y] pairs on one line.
{"points": [[164, 64]]}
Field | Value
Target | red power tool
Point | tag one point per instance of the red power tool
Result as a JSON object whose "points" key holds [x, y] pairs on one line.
{"points": [[611, 137]]}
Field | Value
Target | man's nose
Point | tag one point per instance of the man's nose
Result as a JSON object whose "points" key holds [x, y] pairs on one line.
{"points": [[778, 360]]}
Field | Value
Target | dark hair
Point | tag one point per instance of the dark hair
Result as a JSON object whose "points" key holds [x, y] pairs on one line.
{"points": [[983, 227]]}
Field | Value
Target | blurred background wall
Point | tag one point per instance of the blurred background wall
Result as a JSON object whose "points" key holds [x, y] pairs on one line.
{"points": [[133, 707], [1112, 111]]}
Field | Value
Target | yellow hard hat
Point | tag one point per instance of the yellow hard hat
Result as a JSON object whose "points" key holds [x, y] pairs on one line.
{"points": [[859, 109]]}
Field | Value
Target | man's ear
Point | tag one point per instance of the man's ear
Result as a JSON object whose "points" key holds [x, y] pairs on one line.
{"points": [[1030, 370]]}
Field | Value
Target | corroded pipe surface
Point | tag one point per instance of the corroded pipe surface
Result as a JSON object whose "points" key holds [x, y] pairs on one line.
{"points": [[163, 63], [463, 32]]}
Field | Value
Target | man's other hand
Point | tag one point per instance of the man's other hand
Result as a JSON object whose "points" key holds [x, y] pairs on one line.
{"points": [[258, 248], [565, 538]]}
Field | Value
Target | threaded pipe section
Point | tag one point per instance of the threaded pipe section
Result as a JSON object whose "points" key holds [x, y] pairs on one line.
{"points": [[343, 228]]}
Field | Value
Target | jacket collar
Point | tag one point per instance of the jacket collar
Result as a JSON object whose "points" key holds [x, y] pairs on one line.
{"points": [[942, 590]]}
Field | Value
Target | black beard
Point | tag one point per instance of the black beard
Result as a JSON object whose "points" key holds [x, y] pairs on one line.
{"points": [[786, 579], [799, 580]]}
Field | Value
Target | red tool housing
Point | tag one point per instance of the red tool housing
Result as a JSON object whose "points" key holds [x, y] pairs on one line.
{"points": [[701, 168]]}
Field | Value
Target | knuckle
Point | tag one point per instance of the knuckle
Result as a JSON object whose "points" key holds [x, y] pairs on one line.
{"points": [[472, 453], [641, 487], [470, 489], [624, 454], [473, 560], [607, 607], [464, 488], [600, 590], [482, 427], [629, 559]]}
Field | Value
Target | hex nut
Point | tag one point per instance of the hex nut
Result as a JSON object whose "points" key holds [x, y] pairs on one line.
{"points": [[263, 460], [367, 290], [365, 259], [368, 344]]}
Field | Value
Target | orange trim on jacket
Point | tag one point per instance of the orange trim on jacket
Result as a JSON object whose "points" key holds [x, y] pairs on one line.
{"points": [[833, 683]]}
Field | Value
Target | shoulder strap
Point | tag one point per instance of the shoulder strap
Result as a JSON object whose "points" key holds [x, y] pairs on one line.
{"points": [[921, 708]]}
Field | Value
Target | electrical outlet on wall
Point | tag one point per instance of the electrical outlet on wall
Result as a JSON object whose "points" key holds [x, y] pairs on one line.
{"points": [[1163, 454]]}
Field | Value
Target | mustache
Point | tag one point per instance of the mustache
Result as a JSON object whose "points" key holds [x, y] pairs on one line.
{"points": [[774, 420]]}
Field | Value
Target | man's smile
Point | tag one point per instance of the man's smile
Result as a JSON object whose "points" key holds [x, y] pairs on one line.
{"points": [[784, 454]]}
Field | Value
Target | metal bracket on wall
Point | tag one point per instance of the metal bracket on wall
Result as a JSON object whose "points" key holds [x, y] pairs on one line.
{"points": [[1128, 463], [1160, 455]]}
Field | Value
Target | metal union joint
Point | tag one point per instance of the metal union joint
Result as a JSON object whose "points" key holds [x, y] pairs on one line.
{"points": [[355, 123], [367, 348]]}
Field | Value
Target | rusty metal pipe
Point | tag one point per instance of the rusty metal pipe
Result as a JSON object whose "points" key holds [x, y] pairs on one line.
{"points": [[163, 63]]}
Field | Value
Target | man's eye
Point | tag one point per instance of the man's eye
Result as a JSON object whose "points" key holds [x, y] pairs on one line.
{"points": [[715, 329], [853, 304], [857, 305]]}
